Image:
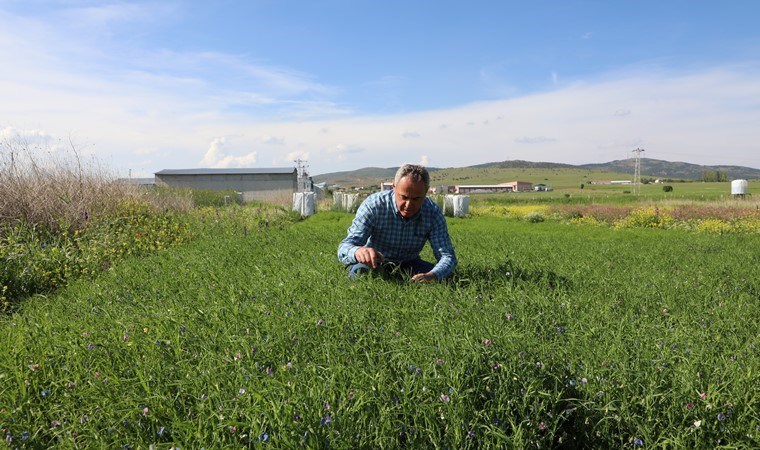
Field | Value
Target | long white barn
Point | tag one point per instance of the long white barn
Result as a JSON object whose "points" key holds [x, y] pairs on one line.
{"points": [[262, 184]]}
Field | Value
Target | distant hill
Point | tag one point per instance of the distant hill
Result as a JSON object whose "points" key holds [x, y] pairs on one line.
{"points": [[366, 175], [678, 170], [651, 168], [520, 164]]}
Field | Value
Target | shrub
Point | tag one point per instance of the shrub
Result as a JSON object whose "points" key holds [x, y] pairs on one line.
{"points": [[649, 217], [715, 226], [667, 188], [534, 217]]}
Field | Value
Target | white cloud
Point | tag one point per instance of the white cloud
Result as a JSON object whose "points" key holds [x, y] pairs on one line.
{"points": [[216, 156], [273, 140], [293, 156], [14, 135], [424, 161]]}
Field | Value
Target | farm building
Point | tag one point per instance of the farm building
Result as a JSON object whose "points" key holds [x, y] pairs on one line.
{"points": [[273, 184], [512, 186]]}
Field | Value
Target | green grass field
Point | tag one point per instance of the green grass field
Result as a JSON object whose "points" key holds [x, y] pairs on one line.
{"points": [[550, 335]]}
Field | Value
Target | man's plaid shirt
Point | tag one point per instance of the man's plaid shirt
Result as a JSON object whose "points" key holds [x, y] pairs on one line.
{"points": [[379, 225]]}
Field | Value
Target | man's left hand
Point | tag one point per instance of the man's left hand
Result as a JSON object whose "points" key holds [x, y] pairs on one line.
{"points": [[424, 277]]}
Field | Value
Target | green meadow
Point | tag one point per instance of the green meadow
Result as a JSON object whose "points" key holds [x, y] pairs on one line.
{"points": [[557, 331]]}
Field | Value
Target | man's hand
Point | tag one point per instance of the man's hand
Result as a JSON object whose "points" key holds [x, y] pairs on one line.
{"points": [[424, 277], [369, 256]]}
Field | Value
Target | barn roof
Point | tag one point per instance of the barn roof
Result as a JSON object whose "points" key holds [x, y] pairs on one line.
{"points": [[281, 170]]}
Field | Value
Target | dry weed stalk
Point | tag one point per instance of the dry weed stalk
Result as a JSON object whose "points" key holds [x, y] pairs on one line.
{"points": [[58, 192]]}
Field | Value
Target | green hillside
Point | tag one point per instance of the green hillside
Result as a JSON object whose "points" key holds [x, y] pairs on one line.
{"points": [[558, 176]]}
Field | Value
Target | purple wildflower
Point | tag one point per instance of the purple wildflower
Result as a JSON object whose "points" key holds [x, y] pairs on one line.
{"points": [[325, 420]]}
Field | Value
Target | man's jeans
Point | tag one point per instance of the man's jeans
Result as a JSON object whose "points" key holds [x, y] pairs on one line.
{"points": [[411, 268]]}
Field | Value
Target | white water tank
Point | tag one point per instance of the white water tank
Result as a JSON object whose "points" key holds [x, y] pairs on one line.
{"points": [[739, 187], [304, 203], [456, 205]]}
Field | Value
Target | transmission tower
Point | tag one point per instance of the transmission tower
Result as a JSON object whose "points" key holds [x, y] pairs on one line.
{"points": [[637, 171]]}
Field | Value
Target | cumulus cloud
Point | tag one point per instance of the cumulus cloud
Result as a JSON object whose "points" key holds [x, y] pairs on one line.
{"points": [[341, 152], [18, 136], [216, 156], [411, 134], [424, 161], [292, 156], [273, 140]]}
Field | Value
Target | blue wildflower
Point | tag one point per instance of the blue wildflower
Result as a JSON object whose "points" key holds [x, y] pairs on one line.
{"points": [[263, 437], [25, 435], [325, 420], [638, 442], [161, 431]]}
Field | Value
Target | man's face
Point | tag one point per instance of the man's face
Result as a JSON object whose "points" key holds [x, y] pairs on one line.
{"points": [[409, 196]]}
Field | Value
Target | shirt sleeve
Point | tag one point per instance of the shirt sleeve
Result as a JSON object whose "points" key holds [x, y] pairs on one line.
{"points": [[443, 249], [358, 234]]}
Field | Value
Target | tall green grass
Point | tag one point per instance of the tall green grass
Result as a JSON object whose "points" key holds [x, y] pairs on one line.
{"points": [[549, 335]]}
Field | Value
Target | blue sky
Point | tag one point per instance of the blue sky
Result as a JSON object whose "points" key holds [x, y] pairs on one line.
{"points": [[151, 85]]}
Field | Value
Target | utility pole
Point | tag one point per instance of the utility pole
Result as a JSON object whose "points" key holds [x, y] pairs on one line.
{"points": [[637, 171], [301, 165], [303, 174]]}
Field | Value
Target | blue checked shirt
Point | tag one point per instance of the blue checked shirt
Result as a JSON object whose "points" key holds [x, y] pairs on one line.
{"points": [[379, 225]]}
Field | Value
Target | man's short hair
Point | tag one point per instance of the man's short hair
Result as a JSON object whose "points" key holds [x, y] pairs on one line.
{"points": [[415, 173]]}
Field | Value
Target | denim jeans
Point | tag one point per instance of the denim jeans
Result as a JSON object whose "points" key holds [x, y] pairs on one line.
{"points": [[412, 267]]}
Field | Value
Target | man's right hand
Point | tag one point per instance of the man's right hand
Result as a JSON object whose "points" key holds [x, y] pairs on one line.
{"points": [[369, 256]]}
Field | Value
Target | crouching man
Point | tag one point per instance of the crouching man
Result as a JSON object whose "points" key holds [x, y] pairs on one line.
{"points": [[392, 227]]}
